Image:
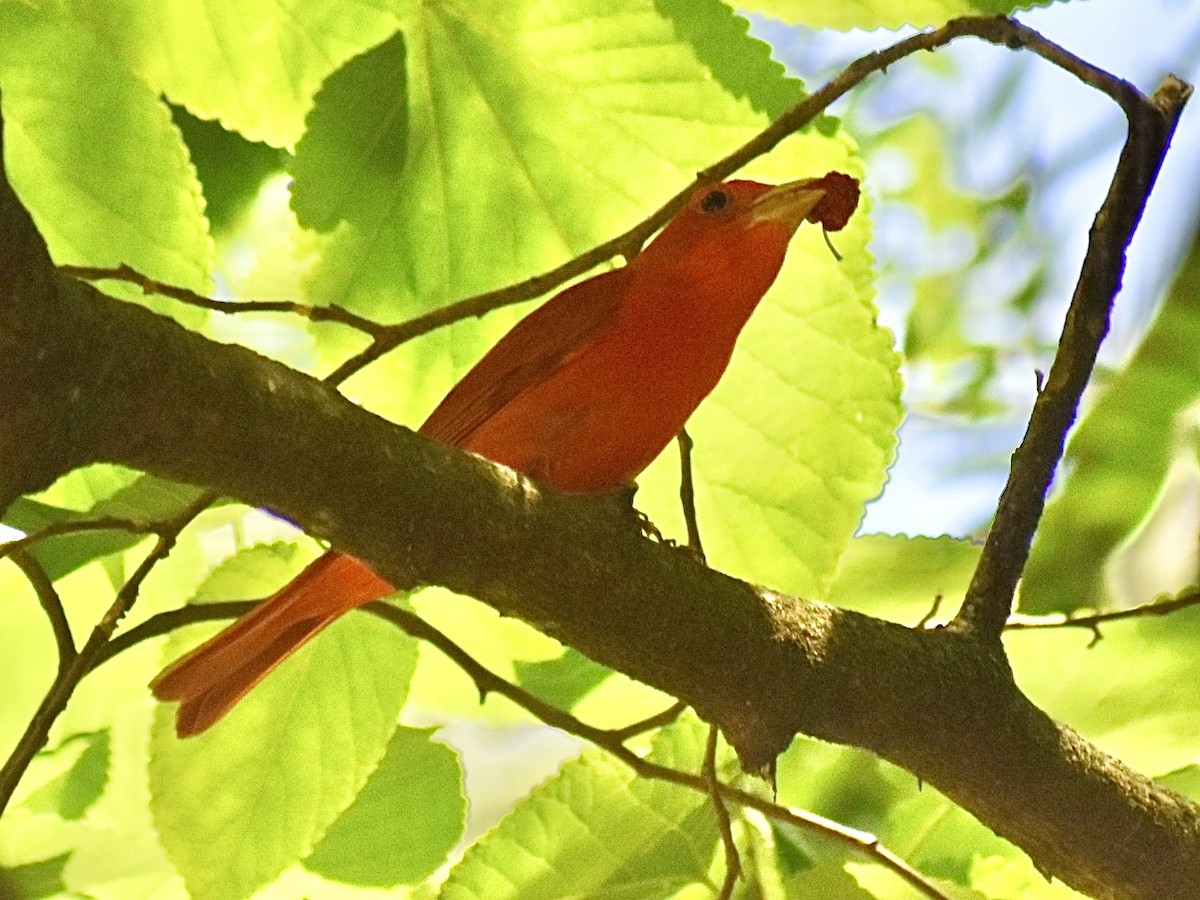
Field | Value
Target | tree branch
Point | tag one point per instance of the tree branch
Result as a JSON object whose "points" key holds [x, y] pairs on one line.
{"points": [[988, 601], [1095, 621], [77, 665]]}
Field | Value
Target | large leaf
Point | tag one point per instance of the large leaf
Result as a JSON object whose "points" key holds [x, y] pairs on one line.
{"points": [[85, 759], [900, 578], [1117, 458], [362, 110], [94, 155], [237, 804], [252, 65], [405, 820], [597, 831]]}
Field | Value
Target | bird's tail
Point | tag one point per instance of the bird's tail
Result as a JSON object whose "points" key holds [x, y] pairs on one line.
{"points": [[210, 680]]}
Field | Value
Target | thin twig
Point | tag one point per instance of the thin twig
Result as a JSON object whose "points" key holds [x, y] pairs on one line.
{"points": [[150, 287], [51, 605], [76, 526], [68, 678], [687, 494], [166, 622], [610, 740], [708, 771], [1094, 621], [931, 613], [658, 720]]}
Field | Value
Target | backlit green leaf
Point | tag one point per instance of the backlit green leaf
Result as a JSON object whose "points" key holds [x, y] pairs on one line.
{"points": [[241, 802]]}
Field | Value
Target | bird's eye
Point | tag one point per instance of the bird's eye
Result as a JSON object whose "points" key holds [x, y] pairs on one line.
{"points": [[714, 201]]}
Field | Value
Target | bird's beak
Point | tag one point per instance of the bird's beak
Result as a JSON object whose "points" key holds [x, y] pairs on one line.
{"points": [[787, 204]]}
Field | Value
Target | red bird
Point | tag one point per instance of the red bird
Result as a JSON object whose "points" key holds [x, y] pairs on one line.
{"points": [[582, 394]]}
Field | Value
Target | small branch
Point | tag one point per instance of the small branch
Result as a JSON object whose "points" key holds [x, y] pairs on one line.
{"points": [[989, 597], [1094, 621], [931, 614], [488, 682], [610, 740], [51, 603], [68, 677], [687, 494], [708, 771], [153, 288], [658, 720], [57, 529], [860, 841], [165, 622]]}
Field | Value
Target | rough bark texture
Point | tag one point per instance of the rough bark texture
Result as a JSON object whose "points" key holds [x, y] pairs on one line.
{"points": [[87, 378]]}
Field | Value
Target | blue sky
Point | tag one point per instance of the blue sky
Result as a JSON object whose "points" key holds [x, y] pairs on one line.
{"points": [[1066, 137]]}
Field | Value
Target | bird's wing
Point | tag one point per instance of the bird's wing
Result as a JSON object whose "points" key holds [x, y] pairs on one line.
{"points": [[536, 346]]}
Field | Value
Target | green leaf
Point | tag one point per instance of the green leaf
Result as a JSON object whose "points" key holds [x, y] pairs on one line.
{"points": [[891, 576], [131, 195], [597, 831], [241, 802], [253, 65], [80, 785], [357, 133], [497, 642], [563, 681], [81, 489], [872, 14], [827, 880], [494, 188], [146, 499], [33, 881], [743, 65], [1185, 780], [845, 784], [1118, 458], [941, 839], [1002, 876], [404, 822]]}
